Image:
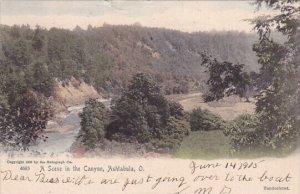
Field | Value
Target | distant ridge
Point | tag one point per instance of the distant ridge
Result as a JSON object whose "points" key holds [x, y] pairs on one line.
{"points": [[106, 57]]}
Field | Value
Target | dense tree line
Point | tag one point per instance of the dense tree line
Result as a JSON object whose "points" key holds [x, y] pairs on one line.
{"points": [[107, 57]]}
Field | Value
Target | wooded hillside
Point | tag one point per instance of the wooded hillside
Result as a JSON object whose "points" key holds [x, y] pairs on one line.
{"points": [[108, 56]]}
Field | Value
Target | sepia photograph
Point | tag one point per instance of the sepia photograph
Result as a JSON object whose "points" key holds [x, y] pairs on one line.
{"points": [[177, 81]]}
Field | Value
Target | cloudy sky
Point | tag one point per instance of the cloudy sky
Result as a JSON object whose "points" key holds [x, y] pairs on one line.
{"points": [[188, 16]]}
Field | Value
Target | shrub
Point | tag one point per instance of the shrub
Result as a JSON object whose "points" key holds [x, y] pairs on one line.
{"points": [[94, 120], [171, 136], [176, 110], [204, 120], [113, 148], [242, 132], [248, 135]]}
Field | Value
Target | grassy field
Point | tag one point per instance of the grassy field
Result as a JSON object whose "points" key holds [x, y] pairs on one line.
{"points": [[204, 145], [209, 145]]}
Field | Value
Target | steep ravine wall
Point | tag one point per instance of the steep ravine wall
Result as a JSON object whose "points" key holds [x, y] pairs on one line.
{"points": [[73, 92]]}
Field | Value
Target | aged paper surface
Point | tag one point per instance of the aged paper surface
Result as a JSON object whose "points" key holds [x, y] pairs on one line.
{"points": [[56, 167], [136, 175]]}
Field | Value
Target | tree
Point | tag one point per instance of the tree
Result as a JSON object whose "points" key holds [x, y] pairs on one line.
{"points": [[38, 41], [22, 122], [225, 79], [278, 104], [94, 120], [43, 82], [144, 115], [17, 52], [275, 125]]}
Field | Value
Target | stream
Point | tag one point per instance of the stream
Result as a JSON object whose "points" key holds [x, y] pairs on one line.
{"points": [[61, 134]]}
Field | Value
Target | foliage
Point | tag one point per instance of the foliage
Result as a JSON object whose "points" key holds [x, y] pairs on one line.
{"points": [[225, 78], [32, 59], [107, 57], [143, 115], [275, 126], [171, 136], [204, 120], [94, 120], [24, 108], [113, 148], [277, 104], [242, 132], [177, 88], [45, 55], [41, 80], [176, 110], [22, 122]]}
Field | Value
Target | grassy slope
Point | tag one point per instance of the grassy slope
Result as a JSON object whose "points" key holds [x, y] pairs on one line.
{"points": [[204, 145], [215, 145], [210, 144]]}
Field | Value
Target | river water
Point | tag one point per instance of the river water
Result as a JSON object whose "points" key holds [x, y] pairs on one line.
{"points": [[62, 134]]}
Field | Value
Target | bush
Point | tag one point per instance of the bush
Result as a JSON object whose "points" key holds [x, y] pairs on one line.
{"points": [[171, 136], [249, 136], [113, 148], [242, 132], [94, 120], [176, 110], [204, 120]]}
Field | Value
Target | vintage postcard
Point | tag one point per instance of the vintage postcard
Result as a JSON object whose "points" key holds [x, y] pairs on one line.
{"points": [[149, 97]]}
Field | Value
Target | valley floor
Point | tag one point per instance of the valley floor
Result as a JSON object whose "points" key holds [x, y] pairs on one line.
{"points": [[228, 108], [199, 144]]}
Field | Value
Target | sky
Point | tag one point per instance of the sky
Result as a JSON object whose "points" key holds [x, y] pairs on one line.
{"points": [[187, 16]]}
